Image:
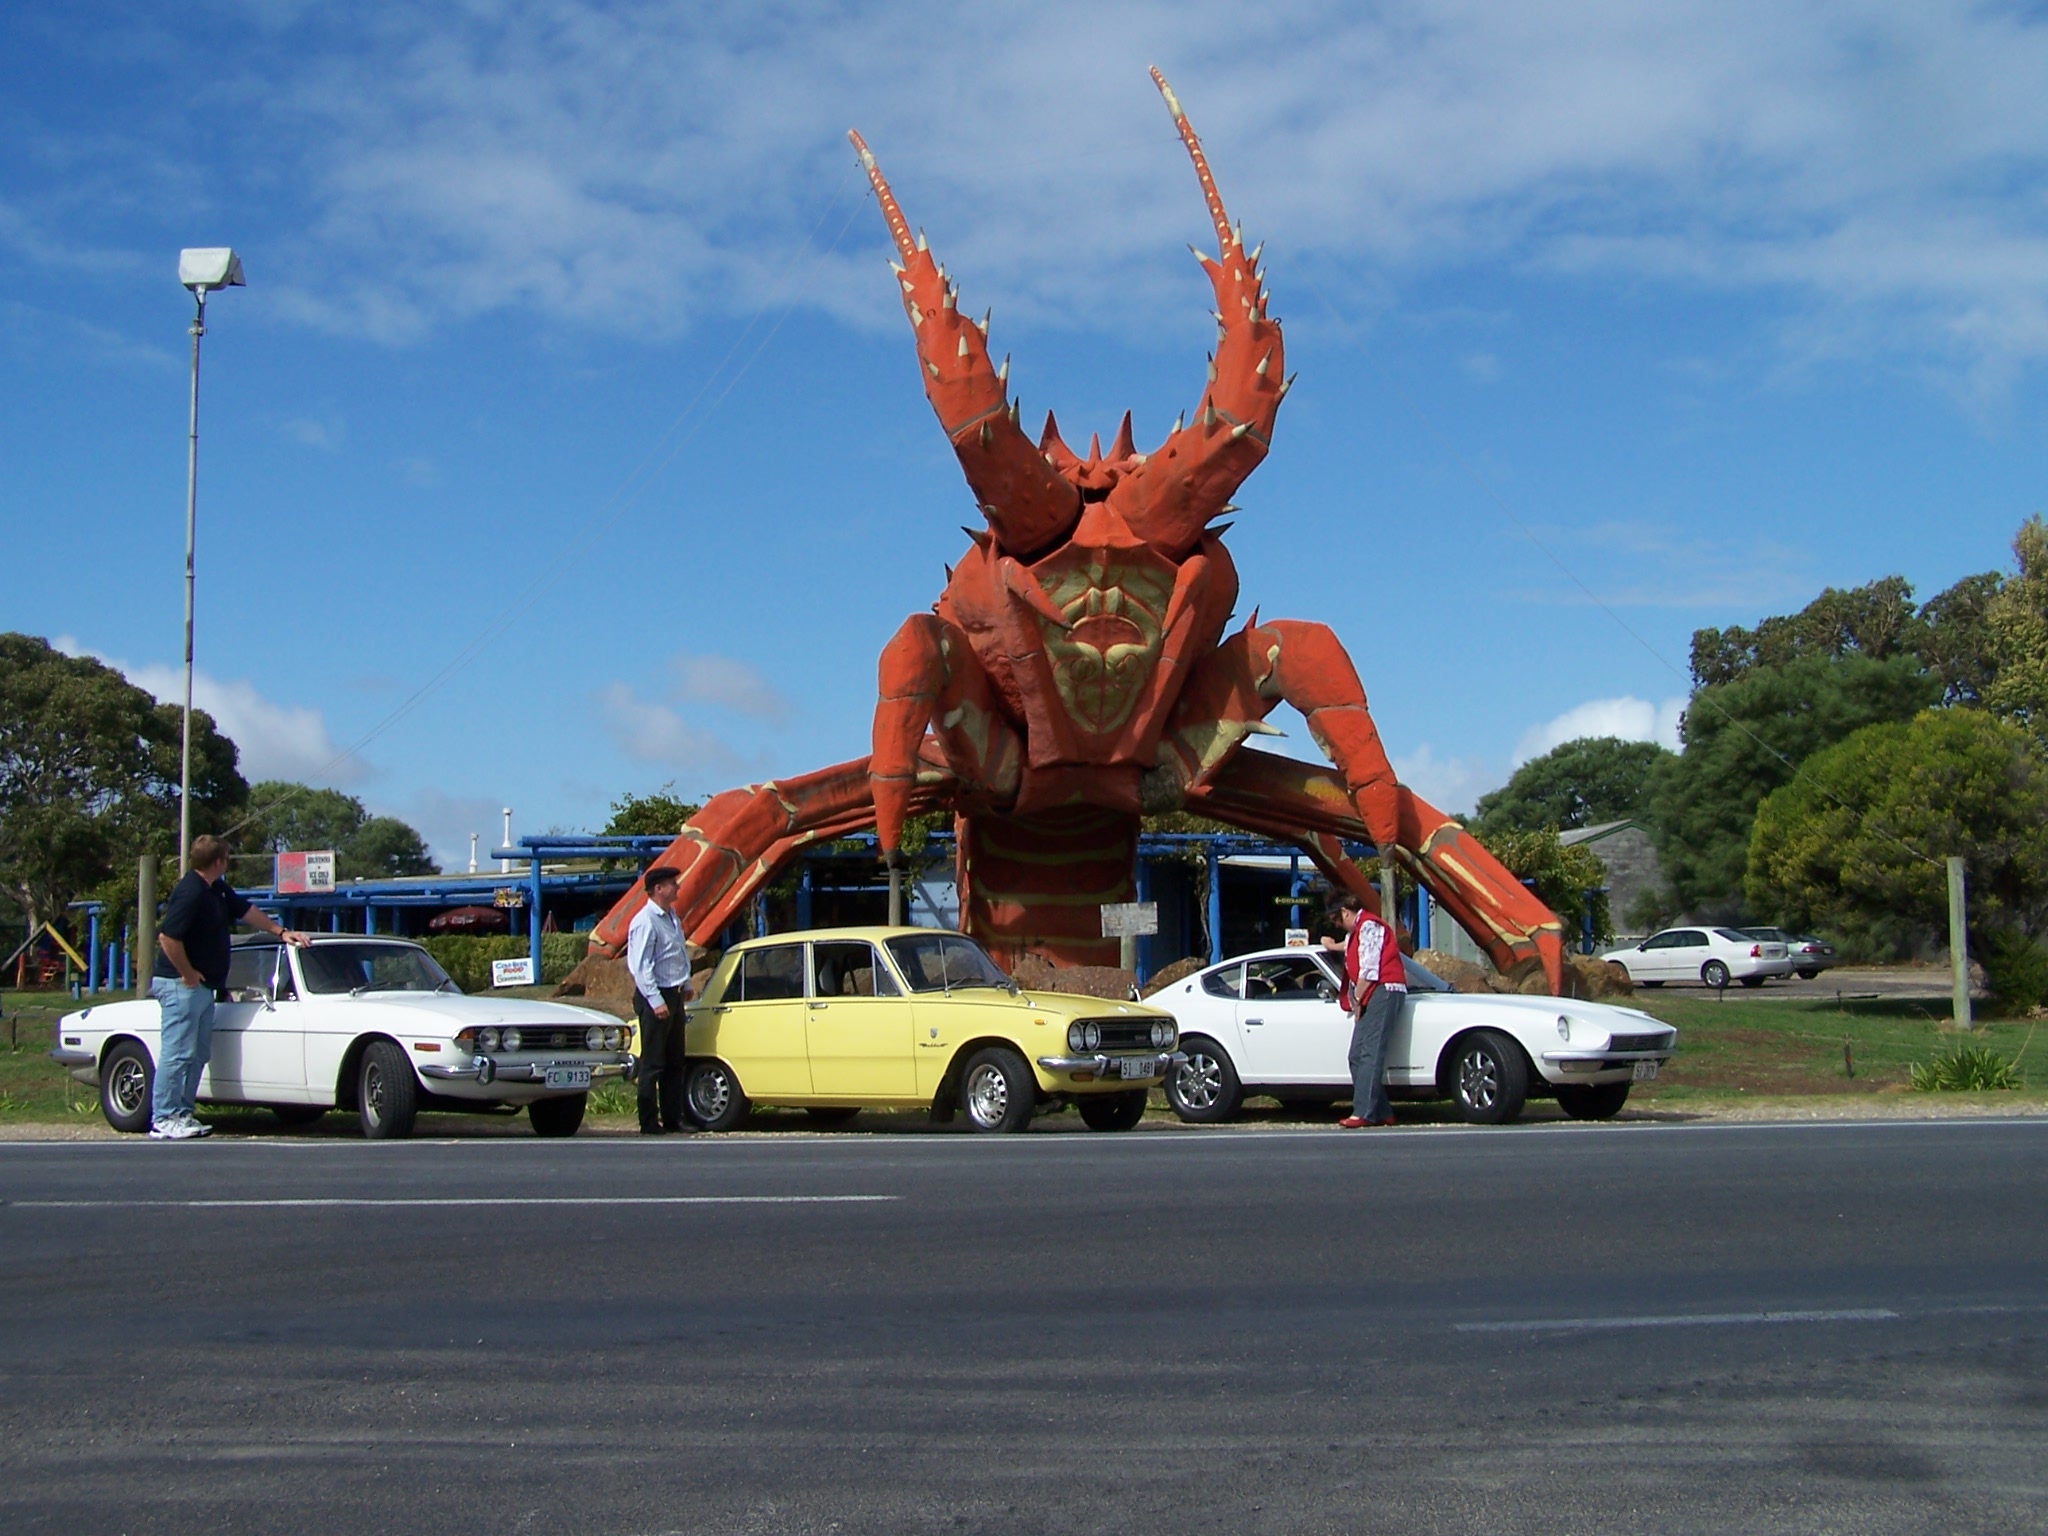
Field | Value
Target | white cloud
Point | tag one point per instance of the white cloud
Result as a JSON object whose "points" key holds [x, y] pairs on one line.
{"points": [[728, 683], [310, 433], [276, 741], [1629, 718], [445, 822], [654, 733], [635, 166], [1451, 784]]}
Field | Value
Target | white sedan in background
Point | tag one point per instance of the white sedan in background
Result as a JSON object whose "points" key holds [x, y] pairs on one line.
{"points": [[1711, 956], [367, 1024], [1269, 1023]]}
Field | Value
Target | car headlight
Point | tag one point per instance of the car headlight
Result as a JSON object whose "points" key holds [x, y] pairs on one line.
{"points": [[593, 1038], [1091, 1036], [1564, 1027], [1076, 1038], [614, 1039], [1162, 1034], [511, 1039], [487, 1040]]}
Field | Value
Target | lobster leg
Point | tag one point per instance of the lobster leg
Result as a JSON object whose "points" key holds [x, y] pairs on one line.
{"points": [[741, 839], [930, 679], [1234, 688], [1311, 805]]}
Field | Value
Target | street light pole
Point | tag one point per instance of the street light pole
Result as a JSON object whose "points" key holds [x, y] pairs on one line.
{"points": [[191, 542], [201, 270]]}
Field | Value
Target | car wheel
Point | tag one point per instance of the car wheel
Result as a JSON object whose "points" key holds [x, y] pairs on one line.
{"points": [[1714, 974], [126, 1083], [1750, 981], [830, 1117], [387, 1094], [714, 1098], [558, 1116], [1808, 975], [1489, 1078], [1205, 1088], [1592, 1101], [997, 1091], [299, 1114], [1112, 1111]]}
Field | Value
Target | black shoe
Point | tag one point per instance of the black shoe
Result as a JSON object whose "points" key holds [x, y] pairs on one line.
{"points": [[680, 1129], [653, 1130]]}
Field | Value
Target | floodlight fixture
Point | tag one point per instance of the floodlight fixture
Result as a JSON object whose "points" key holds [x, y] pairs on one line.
{"points": [[203, 270], [206, 267]]}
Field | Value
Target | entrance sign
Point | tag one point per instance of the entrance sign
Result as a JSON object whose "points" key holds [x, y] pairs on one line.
{"points": [[298, 873], [1129, 919]]}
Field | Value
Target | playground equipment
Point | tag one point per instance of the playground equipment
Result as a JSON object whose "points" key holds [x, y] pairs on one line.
{"points": [[1074, 674]]}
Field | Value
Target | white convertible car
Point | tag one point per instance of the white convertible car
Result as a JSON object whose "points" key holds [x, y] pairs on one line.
{"points": [[366, 1024], [1270, 1023]]}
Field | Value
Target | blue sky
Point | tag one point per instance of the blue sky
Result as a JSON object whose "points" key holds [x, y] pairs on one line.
{"points": [[570, 385]]}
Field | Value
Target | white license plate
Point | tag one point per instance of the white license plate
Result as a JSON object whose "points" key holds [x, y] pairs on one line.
{"points": [[1132, 1066], [1646, 1072], [568, 1077]]}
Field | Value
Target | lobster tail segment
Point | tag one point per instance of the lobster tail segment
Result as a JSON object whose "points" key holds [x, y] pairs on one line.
{"points": [[899, 228]]}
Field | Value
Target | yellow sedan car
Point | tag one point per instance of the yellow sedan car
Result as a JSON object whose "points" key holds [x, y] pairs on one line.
{"points": [[842, 1019]]}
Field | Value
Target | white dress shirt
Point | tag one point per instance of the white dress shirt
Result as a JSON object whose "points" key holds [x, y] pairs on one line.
{"points": [[655, 953]]}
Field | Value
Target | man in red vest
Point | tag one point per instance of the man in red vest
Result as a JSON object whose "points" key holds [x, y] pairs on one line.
{"points": [[1374, 987]]}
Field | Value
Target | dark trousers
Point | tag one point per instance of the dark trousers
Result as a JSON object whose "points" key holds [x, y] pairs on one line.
{"points": [[661, 1060], [1369, 1099]]}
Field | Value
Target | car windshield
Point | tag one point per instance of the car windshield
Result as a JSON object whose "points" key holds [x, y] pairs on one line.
{"points": [[941, 961], [359, 968]]}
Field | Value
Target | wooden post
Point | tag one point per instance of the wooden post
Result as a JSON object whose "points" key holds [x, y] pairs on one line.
{"points": [[145, 923], [1959, 945]]}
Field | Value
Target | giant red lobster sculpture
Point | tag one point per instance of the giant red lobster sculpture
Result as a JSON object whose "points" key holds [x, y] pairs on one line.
{"points": [[1074, 674]]}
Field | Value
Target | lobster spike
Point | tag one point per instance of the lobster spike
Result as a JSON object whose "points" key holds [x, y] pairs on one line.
{"points": [[963, 345], [1240, 429], [922, 245], [987, 435], [1264, 363], [986, 316], [1003, 373], [1254, 257], [1180, 421], [1124, 447], [897, 267]]}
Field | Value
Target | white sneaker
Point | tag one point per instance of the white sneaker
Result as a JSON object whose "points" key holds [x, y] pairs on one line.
{"points": [[177, 1128]]}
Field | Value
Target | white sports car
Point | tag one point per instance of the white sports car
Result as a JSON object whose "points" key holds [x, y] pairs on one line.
{"points": [[366, 1024], [1270, 1023]]}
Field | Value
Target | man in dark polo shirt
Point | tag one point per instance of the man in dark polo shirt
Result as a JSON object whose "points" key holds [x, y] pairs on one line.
{"points": [[191, 966]]}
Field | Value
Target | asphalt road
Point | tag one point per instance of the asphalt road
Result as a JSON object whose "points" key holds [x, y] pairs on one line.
{"points": [[1758, 1328]]}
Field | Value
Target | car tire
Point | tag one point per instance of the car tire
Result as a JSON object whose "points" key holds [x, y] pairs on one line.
{"points": [[831, 1117], [1808, 975], [387, 1094], [712, 1095], [1592, 1101], [1489, 1078], [1204, 1089], [1714, 974], [560, 1115], [127, 1081], [1752, 981], [1112, 1111], [997, 1091], [299, 1114]]}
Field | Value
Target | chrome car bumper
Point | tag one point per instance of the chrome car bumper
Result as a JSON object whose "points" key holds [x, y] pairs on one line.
{"points": [[1103, 1065], [1587, 1063], [69, 1058], [487, 1069]]}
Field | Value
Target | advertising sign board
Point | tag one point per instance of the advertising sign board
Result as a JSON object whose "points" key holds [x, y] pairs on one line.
{"points": [[512, 973], [298, 873]]}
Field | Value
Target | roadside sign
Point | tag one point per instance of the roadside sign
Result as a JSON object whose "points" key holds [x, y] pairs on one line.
{"points": [[512, 973], [1129, 919], [1297, 938], [509, 896], [298, 873]]}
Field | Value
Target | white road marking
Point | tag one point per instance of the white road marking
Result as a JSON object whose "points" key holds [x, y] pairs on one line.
{"points": [[443, 1204], [1685, 1320]]}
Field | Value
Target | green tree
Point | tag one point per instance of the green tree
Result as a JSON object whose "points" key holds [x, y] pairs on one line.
{"points": [[383, 848], [1875, 620], [660, 814], [2017, 617], [1579, 784], [1855, 844], [89, 776], [1957, 644], [287, 817], [1743, 739], [1560, 874]]}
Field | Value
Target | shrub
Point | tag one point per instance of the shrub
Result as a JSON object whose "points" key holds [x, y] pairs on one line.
{"points": [[1966, 1069], [467, 957], [2016, 969]]}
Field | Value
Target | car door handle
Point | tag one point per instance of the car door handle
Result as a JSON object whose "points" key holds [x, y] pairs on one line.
{"points": [[1248, 1023], [816, 1004]]}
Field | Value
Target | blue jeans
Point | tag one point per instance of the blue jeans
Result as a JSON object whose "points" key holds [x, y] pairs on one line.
{"points": [[1369, 1099], [186, 1044]]}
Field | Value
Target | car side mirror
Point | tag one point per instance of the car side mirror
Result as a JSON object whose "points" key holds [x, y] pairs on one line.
{"points": [[1326, 992]]}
